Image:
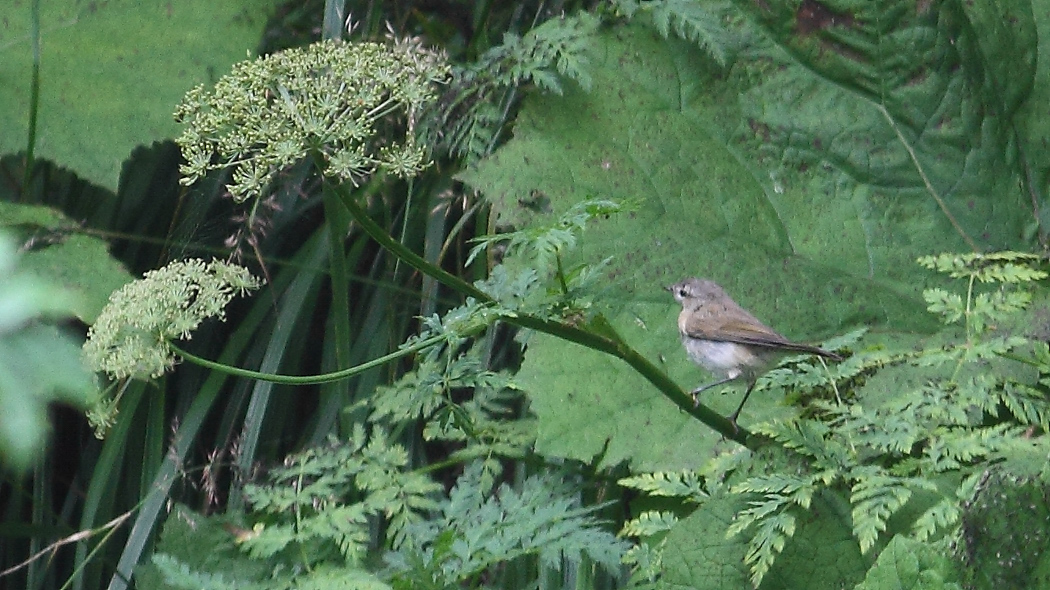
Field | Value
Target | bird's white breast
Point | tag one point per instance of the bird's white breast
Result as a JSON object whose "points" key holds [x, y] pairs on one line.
{"points": [[724, 359]]}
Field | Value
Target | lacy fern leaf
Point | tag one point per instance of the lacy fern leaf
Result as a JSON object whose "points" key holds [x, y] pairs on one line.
{"points": [[681, 484], [475, 530]]}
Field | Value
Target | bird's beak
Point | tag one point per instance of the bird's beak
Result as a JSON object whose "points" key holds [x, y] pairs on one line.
{"points": [[669, 288]]}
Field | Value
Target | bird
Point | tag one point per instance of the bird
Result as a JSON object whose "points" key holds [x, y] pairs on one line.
{"points": [[724, 338]]}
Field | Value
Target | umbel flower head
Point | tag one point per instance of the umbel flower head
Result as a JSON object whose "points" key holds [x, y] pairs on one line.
{"points": [[354, 104], [131, 336]]}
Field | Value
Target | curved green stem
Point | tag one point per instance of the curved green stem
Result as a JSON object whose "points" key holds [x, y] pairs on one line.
{"points": [[414, 260], [309, 379], [606, 341]]}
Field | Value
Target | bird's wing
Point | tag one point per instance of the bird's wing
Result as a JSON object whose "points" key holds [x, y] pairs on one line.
{"points": [[752, 332], [748, 333]]}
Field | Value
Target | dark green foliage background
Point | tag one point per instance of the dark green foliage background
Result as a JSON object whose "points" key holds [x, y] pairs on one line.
{"points": [[804, 165], [112, 72], [817, 248]]}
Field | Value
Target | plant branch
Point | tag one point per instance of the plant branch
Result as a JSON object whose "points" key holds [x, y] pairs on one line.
{"points": [[608, 342]]}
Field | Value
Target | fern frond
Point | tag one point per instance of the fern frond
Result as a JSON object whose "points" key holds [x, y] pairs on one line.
{"points": [[846, 340], [949, 306], [941, 516], [307, 478], [1027, 404], [875, 497], [403, 497], [771, 535], [678, 484], [892, 430], [542, 245], [647, 562], [410, 397], [701, 23], [469, 119], [758, 511], [950, 449], [345, 526], [992, 267], [476, 529], [179, 575], [717, 468], [306, 502], [951, 403], [796, 488], [712, 26], [649, 523], [266, 541], [810, 438]]}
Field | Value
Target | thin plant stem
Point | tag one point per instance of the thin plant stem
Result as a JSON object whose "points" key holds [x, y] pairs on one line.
{"points": [[310, 379], [926, 180]]}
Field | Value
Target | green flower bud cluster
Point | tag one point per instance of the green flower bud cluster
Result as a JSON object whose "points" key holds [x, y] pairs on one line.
{"points": [[346, 102], [131, 336]]}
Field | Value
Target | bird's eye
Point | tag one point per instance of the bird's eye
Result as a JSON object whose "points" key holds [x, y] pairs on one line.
{"points": [[681, 292]]}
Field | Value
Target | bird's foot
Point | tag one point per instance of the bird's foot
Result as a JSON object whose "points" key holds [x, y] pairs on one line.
{"points": [[732, 420]]}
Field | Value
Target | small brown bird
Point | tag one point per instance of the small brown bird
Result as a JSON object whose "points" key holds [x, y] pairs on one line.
{"points": [[726, 339]]}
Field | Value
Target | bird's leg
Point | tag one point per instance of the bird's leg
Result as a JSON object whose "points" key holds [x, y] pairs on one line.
{"points": [[733, 416], [696, 392]]}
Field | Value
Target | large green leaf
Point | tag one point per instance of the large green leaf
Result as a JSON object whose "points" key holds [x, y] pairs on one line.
{"points": [[822, 553], [907, 564], [809, 247], [698, 554], [56, 253], [1032, 122], [914, 101], [112, 72]]}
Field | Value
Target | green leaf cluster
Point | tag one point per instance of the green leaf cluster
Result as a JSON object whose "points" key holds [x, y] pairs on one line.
{"points": [[543, 246], [310, 526], [713, 26], [472, 410], [533, 277], [317, 513], [909, 458], [470, 118], [314, 514], [475, 531], [39, 362], [316, 506]]}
